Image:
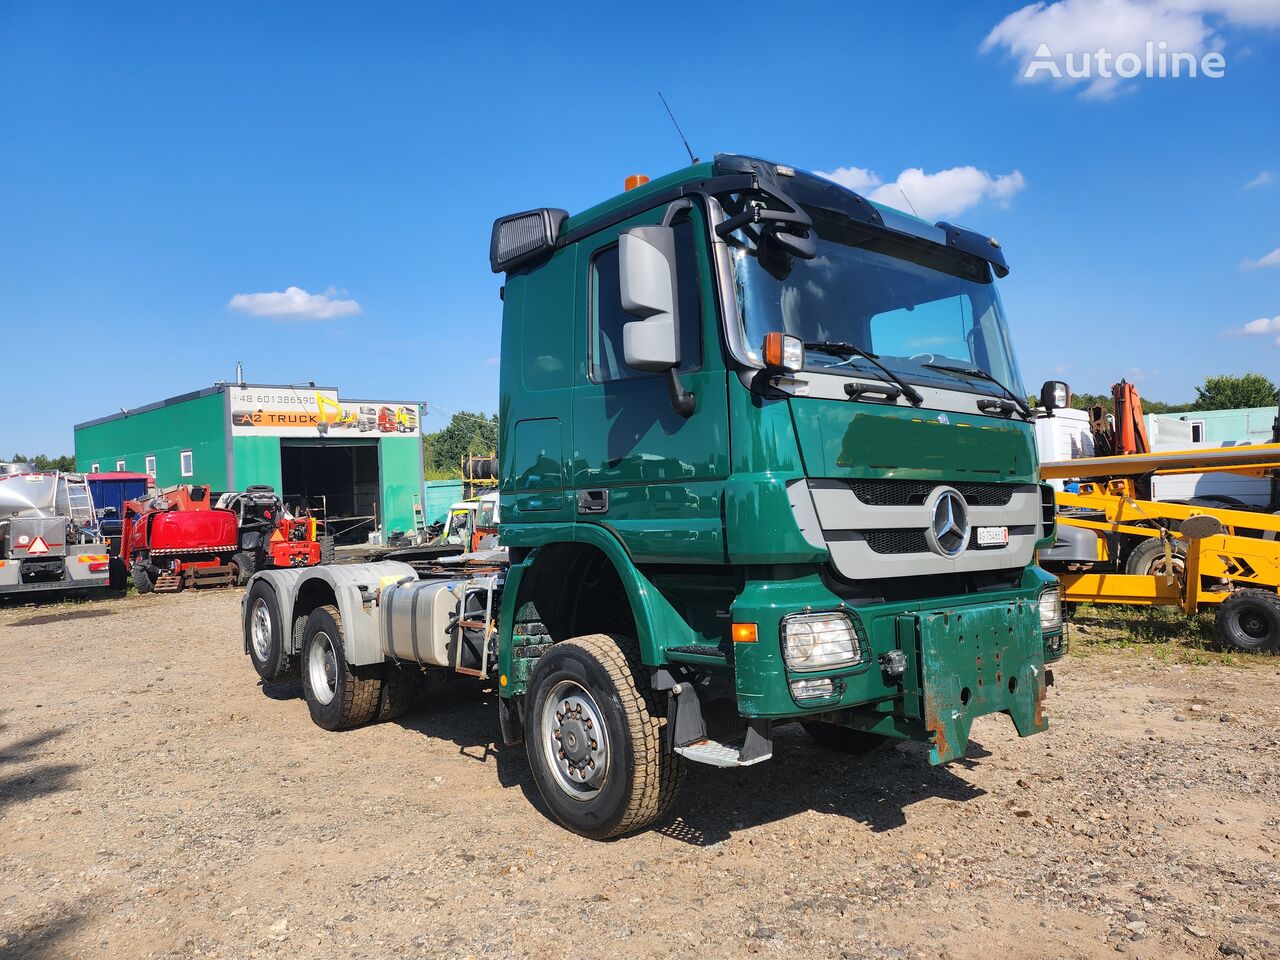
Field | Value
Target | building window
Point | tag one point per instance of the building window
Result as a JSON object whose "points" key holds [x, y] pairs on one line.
{"points": [[151, 466], [120, 466], [94, 468], [184, 460], [1197, 431]]}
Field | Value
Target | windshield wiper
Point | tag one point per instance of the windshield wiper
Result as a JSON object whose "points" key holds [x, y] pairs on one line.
{"points": [[979, 374], [849, 350]]}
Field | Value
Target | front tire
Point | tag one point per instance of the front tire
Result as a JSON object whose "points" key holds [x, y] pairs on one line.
{"points": [[264, 636], [594, 738], [326, 549], [338, 695], [1249, 620]]}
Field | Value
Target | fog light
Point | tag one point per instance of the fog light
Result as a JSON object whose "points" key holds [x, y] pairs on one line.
{"points": [[812, 689], [819, 641], [893, 663]]}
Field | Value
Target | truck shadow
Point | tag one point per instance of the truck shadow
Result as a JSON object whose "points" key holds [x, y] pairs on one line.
{"points": [[875, 790]]}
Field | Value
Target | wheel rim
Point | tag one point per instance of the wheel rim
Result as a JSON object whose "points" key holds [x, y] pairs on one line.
{"points": [[260, 630], [575, 740], [322, 668], [1253, 625]]}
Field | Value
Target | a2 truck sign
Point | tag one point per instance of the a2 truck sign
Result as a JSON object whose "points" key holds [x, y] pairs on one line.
{"points": [[306, 412]]}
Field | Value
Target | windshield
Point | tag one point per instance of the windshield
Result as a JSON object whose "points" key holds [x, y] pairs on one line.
{"points": [[914, 304]]}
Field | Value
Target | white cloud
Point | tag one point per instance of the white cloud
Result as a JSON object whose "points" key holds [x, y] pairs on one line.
{"points": [[295, 303], [1272, 259], [1066, 30], [1261, 180], [933, 196], [1262, 327]]}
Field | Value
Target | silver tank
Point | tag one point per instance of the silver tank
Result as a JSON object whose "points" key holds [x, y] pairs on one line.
{"points": [[28, 494]]}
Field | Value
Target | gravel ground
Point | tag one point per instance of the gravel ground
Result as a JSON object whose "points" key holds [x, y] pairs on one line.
{"points": [[155, 801]]}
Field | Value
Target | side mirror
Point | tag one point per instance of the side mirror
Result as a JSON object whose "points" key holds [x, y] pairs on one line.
{"points": [[1055, 395], [647, 281]]}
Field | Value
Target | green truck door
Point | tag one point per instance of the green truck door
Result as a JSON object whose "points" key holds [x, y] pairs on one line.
{"points": [[638, 467]]}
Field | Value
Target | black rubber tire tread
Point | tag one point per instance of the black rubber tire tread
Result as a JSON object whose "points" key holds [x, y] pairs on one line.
{"points": [[282, 663], [1147, 554], [844, 739], [326, 549], [245, 566], [1265, 603], [143, 581], [401, 684], [356, 700], [656, 774]]}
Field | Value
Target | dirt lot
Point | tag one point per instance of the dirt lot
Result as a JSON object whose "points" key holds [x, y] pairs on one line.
{"points": [[155, 801]]}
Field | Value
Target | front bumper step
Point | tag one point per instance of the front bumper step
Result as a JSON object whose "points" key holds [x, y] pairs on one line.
{"points": [[717, 754]]}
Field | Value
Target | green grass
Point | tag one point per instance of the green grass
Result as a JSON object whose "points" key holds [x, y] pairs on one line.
{"points": [[1164, 633]]}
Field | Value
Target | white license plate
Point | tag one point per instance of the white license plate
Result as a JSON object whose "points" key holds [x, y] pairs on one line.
{"points": [[992, 536]]}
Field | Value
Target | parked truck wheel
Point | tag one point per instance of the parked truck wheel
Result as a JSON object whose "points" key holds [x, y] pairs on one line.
{"points": [[338, 695], [326, 549], [243, 565], [401, 684], [594, 738], [264, 636], [1148, 560], [143, 580], [1249, 620], [845, 740]]}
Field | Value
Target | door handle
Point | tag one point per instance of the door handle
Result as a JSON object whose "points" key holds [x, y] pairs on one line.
{"points": [[593, 501]]}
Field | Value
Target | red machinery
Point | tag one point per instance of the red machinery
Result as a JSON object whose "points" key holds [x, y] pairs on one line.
{"points": [[176, 538]]}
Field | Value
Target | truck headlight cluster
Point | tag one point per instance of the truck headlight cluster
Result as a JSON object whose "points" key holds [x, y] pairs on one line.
{"points": [[1051, 609], [819, 641]]}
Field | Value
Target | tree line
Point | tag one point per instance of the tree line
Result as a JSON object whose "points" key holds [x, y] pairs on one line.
{"points": [[468, 434], [1224, 392], [42, 462]]}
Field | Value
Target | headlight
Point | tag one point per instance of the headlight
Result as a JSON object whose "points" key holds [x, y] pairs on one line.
{"points": [[819, 641], [1051, 609]]}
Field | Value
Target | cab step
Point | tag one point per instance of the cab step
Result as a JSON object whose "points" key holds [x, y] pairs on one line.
{"points": [[750, 751]]}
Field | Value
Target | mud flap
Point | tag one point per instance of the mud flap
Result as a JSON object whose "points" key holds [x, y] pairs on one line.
{"points": [[971, 662]]}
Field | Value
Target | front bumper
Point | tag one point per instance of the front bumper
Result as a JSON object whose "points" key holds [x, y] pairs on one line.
{"points": [[965, 657]]}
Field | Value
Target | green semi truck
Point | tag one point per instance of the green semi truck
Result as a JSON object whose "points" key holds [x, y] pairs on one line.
{"points": [[766, 457]]}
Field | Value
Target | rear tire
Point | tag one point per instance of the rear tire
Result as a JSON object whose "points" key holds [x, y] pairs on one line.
{"points": [[1147, 559], [401, 685], [1249, 620], [264, 636], [243, 566], [143, 581], [594, 738], [338, 695], [844, 739], [326, 549]]}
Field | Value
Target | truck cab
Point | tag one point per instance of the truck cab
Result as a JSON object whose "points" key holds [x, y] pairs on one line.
{"points": [[773, 437]]}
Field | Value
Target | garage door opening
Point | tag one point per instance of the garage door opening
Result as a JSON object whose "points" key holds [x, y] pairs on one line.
{"points": [[339, 482]]}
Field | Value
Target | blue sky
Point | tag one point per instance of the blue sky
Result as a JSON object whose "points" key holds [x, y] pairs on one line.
{"points": [[159, 160]]}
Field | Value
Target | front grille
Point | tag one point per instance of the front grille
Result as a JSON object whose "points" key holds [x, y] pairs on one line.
{"points": [[908, 493], [896, 540]]}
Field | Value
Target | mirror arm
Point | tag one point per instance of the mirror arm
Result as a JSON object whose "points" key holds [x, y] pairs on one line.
{"points": [[673, 208], [683, 401]]}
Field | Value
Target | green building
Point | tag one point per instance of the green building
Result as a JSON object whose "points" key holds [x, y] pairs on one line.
{"points": [[357, 463]]}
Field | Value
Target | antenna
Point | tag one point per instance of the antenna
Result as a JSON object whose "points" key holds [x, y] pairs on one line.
{"points": [[692, 158], [908, 199]]}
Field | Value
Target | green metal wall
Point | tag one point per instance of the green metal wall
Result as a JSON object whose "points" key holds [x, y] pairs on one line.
{"points": [[438, 496], [400, 469], [198, 425], [256, 460]]}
